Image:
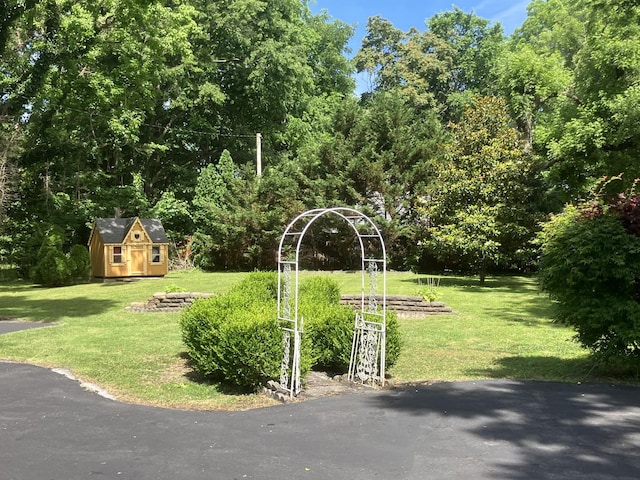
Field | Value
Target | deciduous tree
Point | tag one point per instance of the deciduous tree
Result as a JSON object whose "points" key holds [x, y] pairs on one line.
{"points": [[478, 212]]}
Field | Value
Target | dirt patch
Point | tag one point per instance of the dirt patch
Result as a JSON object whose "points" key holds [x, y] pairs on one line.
{"points": [[322, 384], [177, 371], [317, 384]]}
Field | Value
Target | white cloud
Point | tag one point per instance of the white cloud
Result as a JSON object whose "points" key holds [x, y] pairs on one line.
{"points": [[512, 17]]}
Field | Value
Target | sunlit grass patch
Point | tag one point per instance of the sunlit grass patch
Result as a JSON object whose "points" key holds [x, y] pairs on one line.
{"points": [[501, 330]]}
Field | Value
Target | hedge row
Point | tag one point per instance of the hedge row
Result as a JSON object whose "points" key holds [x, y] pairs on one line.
{"points": [[236, 338]]}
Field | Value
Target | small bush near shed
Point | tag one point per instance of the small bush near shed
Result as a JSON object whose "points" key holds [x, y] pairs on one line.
{"points": [[54, 268]]}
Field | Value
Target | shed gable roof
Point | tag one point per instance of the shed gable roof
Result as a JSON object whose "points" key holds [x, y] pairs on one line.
{"points": [[155, 230], [115, 230]]}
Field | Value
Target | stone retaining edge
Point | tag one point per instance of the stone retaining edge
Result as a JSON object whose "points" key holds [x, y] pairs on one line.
{"points": [[166, 302]]}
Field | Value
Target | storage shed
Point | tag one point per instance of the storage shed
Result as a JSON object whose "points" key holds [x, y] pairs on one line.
{"points": [[128, 247]]}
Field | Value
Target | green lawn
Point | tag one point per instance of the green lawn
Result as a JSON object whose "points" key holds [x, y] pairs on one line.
{"points": [[501, 330]]}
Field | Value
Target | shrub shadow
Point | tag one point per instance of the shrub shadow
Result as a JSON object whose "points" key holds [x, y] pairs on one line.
{"points": [[472, 284], [541, 368], [225, 388], [537, 310]]}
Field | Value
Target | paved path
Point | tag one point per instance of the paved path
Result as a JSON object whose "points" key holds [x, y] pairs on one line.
{"points": [[52, 428], [8, 326]]}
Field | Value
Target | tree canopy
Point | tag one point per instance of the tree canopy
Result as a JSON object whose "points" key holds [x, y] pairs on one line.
{"points": [[465, 141]]}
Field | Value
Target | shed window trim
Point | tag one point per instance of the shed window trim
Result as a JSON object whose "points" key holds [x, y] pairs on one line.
{"points": [[156, 255], [117, 255]]}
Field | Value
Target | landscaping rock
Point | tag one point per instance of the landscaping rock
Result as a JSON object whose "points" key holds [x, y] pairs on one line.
{"points": [[405, 306], [166, 302]]}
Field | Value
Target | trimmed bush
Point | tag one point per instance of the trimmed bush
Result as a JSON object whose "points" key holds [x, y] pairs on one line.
{"points": [[257, 287], [80, 263], [329, 329], [54, 268], [590, 265], [236, 338], [320, 290], [394, 340], [329, 325]]}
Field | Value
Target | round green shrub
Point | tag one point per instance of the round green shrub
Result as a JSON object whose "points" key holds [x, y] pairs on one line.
{"points": [[231, 341], [236, 337], [393, 340], [53, 268], [591, 266], [80, 263], [329, 329], [318, 290], [329, 325], [257, 287]]}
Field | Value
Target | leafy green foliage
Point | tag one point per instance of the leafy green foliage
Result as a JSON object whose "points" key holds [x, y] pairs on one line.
{"points": [[329, 325], [125, 107], [412, 62], [175, 215], [235, 337], [240, 217], [330, 330], [81, 263], [320, 290], [380, 158], [54, 268], [478, 209], [232, 341], [572, 76], [590, 265], [437, 67]]}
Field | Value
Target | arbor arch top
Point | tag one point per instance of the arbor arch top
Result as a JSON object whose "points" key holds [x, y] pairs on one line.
{"points": [[368, 348]]}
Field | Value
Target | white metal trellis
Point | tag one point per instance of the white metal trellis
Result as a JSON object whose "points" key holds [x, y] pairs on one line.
{"points": [[367, 359]]}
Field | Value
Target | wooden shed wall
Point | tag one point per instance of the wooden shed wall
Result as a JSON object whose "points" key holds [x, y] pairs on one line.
{"points": [[96, 252], [136, 255]]}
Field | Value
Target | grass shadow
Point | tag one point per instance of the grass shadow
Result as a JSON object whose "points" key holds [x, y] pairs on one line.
{"points": [[472, 285], [541, 368], [53, 309], [536, 311], [520, 299]]}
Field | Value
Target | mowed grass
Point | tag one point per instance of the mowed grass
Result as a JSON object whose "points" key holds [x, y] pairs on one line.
{"points": [[500, 330]]}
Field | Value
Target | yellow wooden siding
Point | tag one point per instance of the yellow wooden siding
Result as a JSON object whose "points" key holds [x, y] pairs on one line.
{"points": [[162, 268], [136, 255], [96, 252]]}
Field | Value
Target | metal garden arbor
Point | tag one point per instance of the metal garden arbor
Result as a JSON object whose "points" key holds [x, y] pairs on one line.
{"points": [[367, 359]]}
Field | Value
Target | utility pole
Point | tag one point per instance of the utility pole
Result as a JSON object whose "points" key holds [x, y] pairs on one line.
{"points": [[258, 154]]}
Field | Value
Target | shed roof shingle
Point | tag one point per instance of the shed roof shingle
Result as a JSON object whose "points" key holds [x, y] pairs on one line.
{"points": [[114, 230]]}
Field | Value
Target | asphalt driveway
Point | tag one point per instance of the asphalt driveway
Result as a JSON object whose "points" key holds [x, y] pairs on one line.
{"points": [[53, 428]]}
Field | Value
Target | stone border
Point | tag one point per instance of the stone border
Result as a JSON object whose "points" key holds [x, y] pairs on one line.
{"points": [[404, 306], [166, 302]]}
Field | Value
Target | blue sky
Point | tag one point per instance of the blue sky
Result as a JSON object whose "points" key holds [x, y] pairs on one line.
{"points": [[405, 14]]}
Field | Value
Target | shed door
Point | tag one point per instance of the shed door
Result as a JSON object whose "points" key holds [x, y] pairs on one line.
{"points": [[137, 260]]}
